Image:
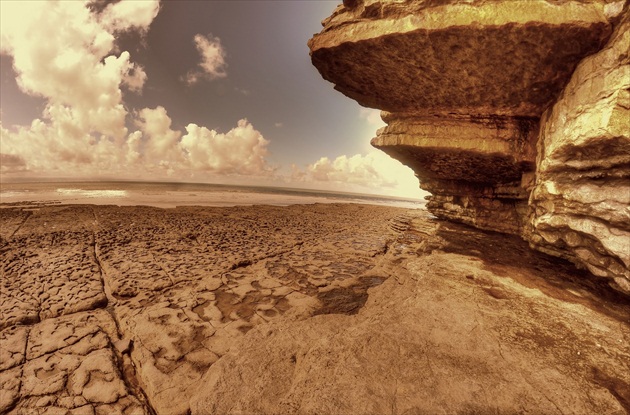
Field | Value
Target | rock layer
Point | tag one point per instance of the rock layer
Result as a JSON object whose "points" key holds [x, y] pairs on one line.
{"points": [[581, 200], [463, 85], [256, 309], [121, 310]]}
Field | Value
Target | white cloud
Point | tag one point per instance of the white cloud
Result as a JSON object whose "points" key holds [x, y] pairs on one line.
{"points": [[160, 141], [242, 150], [372, 116], [213, 65], [65, 52], [137, 14], [373, 172], [279, 125]]}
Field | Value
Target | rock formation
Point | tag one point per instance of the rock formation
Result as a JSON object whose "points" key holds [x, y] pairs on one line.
{"points": [[107, 310], [352, 309], [514, 114]]}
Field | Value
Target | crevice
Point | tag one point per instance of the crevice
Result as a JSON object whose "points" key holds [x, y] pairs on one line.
{"points": [[132, 386], [28, 215], [617, 387], [168, 274]]}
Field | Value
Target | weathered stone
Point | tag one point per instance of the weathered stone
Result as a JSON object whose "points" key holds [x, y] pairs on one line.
{"points": [[580, 204], [463, 85], [499, 57], [49, 268], [473, 166], [12, 346], [149, 352], [450, 333], [184, 328], [66, 365]]}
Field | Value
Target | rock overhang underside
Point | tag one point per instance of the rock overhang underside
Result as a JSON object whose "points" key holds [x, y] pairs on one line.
{"points": [[481, 100]]}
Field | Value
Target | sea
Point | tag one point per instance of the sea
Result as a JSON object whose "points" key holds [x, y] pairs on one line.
{"points": [[170, 195]]}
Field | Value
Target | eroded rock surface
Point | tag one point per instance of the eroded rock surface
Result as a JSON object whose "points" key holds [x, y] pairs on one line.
{"points": [[465, 322], [463, 85], [111, 310], [65, 365], [581, 201], [302, 309]]}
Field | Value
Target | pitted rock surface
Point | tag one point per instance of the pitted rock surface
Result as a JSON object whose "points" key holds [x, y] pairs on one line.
{"points": [[190, 291], [463, 85], [173, 290]]}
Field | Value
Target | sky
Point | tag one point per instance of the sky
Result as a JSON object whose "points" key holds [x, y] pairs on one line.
{"points": [[190, 91]]}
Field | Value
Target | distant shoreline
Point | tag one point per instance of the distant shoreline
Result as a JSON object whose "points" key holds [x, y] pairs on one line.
{"points": [[171, 194]]}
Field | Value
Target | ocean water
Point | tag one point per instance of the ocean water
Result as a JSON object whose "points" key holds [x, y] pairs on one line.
{"points": [[169, 195]]}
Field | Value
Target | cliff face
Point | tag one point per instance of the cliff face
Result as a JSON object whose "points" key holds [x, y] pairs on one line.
{"points": [[483, 100], [581, 200]]}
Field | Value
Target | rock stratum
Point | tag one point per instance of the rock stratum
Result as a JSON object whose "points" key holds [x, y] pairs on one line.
{"points": [[514, 114], [314, 309]]}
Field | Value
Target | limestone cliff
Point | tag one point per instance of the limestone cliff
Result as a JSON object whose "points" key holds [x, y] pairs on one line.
{"points": [[581, 200], [482, 99]]}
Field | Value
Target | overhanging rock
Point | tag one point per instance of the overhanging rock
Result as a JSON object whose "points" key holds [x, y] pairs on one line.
{"points": [[463, 85]]}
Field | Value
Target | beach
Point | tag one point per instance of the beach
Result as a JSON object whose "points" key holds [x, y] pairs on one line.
{"points": [[170, 195], [251, 309]]}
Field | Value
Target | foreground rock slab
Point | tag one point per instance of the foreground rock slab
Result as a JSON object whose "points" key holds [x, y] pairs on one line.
{"points": [[301, 309], [177, 289], [452, 330], [65, 365]]}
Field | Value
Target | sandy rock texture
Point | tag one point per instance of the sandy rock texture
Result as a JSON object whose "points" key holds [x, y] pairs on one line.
{"points": [[305, 309], [581, 200], [109, 309], [465, 322], [463, 85]]}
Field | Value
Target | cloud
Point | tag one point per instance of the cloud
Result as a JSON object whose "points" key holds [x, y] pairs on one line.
{"points": [[363, 170], [63, 52], [375, 171], [372, 116], [66, 53], [11, 163], [126, 15], [242, 150], [278, 125], [160, 139], [213, 65]]}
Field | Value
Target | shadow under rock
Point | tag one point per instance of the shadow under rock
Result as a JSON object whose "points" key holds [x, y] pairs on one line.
{"points": [[511, 256]]}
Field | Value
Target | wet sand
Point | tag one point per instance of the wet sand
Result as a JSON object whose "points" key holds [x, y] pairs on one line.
{"points": [[323, 308]]}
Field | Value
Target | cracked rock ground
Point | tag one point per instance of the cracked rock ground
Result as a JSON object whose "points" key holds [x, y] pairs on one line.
{"points": [[344, 309]]}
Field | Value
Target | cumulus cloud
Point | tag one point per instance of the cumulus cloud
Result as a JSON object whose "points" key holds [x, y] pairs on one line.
{"points": [[66, 53], [161, 140], [213, 65], [241, 150], [370, 172], [124, 15]]}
